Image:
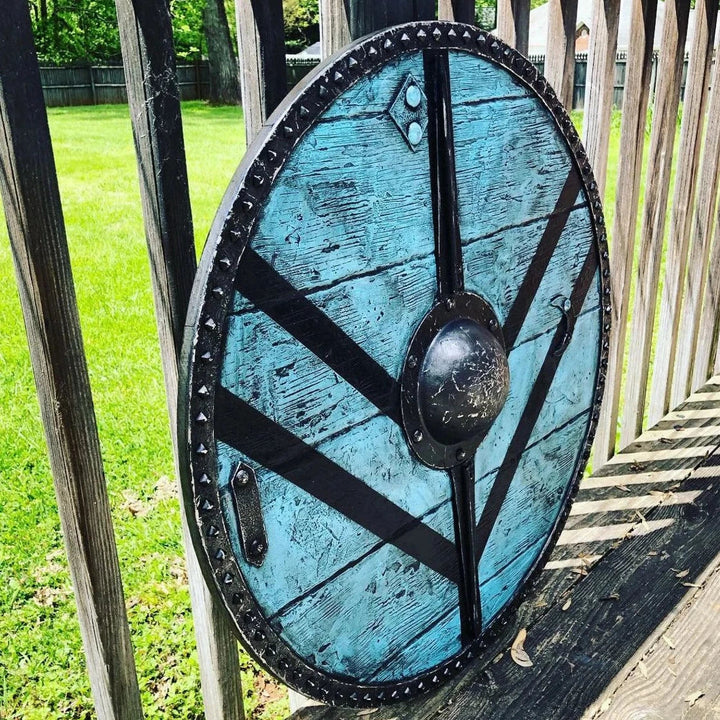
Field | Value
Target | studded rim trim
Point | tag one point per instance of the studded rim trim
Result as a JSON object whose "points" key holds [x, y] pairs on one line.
{"points": [[204, 344]]}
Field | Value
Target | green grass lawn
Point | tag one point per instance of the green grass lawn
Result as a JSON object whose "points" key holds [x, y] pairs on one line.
{"points": [[42, 672]]}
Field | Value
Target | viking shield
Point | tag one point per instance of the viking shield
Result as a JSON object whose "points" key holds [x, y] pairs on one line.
{"points": [[395, 357]]}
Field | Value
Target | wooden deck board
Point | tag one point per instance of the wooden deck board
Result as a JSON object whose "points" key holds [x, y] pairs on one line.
{"points": [[615, 563]]}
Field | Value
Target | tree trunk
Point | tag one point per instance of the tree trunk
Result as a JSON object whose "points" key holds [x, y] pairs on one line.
{"points": [[224, 72]]}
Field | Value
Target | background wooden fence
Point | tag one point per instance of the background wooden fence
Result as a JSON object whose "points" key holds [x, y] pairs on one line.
{"points": [[685, 290]]}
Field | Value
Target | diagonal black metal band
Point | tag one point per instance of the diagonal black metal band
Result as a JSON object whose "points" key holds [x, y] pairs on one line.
{"points": [[241, 426], [532, 410], [271, 293], [539, 264], [443, 183]]}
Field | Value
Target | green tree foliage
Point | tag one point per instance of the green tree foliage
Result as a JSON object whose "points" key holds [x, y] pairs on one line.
{"points": [[302, 24]]}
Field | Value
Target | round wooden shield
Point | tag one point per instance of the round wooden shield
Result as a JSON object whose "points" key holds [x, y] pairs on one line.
{"points": [[395, 357]]}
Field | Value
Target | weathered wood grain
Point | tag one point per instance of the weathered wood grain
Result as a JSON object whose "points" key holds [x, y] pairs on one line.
{"points": [[705, 356], [693, 350], [632, 140], [149, 61], [261, 44], [676, 260], [600, 84], [458, 10], [33, 212], [513, 23], [662, 140], [661, 686], [560, 49]]}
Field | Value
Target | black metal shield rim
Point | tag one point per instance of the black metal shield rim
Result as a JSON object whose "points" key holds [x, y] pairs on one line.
{"points": [[204, 343]]}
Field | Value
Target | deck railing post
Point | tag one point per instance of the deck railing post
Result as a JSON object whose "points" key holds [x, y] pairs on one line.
{"points": [[153, 95], [28, 182]]}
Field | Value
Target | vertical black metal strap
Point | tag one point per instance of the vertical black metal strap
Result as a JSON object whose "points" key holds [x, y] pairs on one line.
{"points": [[463, 486], [448, 249]]}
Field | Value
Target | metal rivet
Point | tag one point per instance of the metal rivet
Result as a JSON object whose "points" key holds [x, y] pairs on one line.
{"points": [[204, 479], [493, 324], [206, 356], [225, 262], [212, 531], [203, 391], [418, 436], [243, 477], [304, 112], [405, 39], [567, 305], [372, 51], [338, 77], [201, 449], [460, 454], [206, 505], [414, 133], [449, 303], [201, 418], [210, 324], [228, 578], [323, 92], [258, 180], [257, 547], [220, 554], [421, 35], [218, 292], [413, 96], [437, 34], [452, 33], [288, 131], [412, 361], [388, 44], [466, 36], [352, 63], [247, 205]]}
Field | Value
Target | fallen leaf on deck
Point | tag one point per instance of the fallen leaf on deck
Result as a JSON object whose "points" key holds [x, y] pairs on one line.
{"points": [[517, 651], [567, 604], [695, 585], [369, 711], [670, 642], [642, 667], [694, 697], [606, 705], [624, 488], [682, 574]]}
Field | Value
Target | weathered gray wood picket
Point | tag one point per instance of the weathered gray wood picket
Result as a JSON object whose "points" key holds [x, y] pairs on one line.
{"points": [[685, 349]]}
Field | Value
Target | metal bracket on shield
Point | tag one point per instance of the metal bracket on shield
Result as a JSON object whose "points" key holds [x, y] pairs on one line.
{"points": [[409, 111], [564, 305], [246, 499]]}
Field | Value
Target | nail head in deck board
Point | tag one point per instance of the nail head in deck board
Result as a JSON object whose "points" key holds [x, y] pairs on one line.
{"points": [[632, 142], [344, 228], [149, 61], [676, 263], [660, 154], [33, 211]]}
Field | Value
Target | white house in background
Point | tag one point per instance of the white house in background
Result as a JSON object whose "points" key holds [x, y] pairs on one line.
{"points": [[539, 21]]}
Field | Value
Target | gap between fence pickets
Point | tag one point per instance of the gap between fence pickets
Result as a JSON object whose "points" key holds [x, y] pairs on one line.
{"points": [[663, 629]]}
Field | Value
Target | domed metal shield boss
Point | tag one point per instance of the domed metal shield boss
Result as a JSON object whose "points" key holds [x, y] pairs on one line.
{"points": [[394, 360]]}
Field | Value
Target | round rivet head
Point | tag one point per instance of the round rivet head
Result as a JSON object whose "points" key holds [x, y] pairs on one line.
{"points": [[257, 547], [460, 454], [449, 303], [413, 97], [567, 305], [243, 477], [418, 436], [414, 133], [412, 361]]}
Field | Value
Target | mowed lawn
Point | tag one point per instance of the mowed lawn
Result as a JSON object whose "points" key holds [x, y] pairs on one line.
{"points": [[42, 670]]}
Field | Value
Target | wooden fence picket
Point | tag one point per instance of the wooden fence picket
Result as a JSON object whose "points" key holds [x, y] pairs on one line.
{"points": [[627, 194], [601, 81], [560, 48], [689, 352], [33, 210], [691, 138], [662, 140], [457, 10], [513, 23], [149, 58]]}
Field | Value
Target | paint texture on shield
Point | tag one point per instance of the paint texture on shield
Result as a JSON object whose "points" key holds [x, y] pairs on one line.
{"points": [[425, 182]]}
